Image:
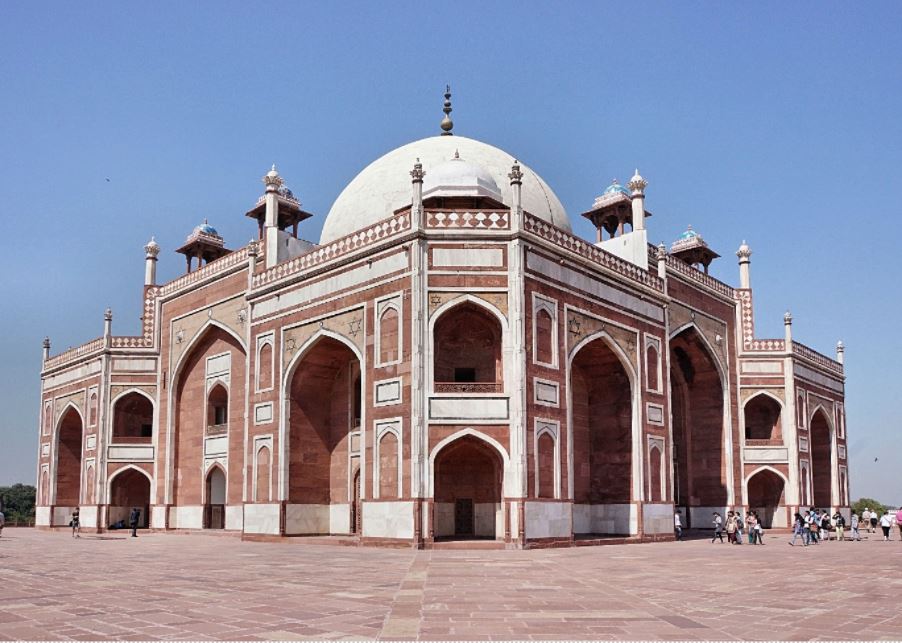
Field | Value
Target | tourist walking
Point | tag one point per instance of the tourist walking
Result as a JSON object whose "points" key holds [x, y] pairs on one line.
{"points": [[886, 521], [825, 525], [759, 529], [866, 519], [751, 522], [874, 518], [899, 522], [718, 527], [811, 527], [798, 529], [731, 528], [740, 527], [75, 523], [133, 521], [677, 526], [854, 523], [840, 524]]}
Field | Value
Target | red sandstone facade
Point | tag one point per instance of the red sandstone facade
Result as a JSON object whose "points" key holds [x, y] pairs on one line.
{"points": [[461, 368]]}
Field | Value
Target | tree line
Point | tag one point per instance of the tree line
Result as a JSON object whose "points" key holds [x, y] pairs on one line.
{"points": [[17, 503]]}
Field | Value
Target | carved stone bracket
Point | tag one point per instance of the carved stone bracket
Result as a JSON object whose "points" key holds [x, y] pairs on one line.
{"points": [[348, 324]]}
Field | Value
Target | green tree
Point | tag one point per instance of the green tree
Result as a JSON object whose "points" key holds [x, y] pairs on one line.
{"points": [[859, 505], [17, 502]]}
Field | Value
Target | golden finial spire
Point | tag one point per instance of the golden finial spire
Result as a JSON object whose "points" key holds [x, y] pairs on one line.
{"points": [[447, 124]]}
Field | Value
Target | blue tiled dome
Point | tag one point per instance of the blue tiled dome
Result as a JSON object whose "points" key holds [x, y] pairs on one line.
{"points": [[616, 187], [206, 228], [689, 234]]}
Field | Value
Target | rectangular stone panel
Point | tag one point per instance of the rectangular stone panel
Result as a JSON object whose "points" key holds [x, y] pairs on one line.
{"points": [[388, 392], [476, 257], [263, 413], [217, 445], [132, 453], [388, 519], [546, 392], [766, 454], [468, 408]]}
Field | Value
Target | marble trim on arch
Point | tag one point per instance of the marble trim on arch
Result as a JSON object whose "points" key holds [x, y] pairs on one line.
{"points": [[581, 324], [438, 298], [348, 324], [76, 399], [745, 394], [714, 330], [183, 329]]}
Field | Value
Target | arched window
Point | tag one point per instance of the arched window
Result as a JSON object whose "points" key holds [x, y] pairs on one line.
{"points": [[762, 419], [264, 367], [546, 466], [651, 367], [132, 418], [92, 410], [47, 419], [654, 470], [218, 406], [467, 351], [544, 340], [388, 335], [800, 411], [388, 465], [262, 490]]}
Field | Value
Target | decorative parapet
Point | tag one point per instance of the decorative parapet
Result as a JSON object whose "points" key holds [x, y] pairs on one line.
{"points": [[74, 354], [765, 346], [764, 442], [800, 350], [379, 231], [223, 264], [469, 387], [698, 276], [483, 220], [545, 230]]}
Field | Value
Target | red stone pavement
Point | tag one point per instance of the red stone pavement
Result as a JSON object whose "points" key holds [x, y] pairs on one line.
{"points": [[200, 587]]}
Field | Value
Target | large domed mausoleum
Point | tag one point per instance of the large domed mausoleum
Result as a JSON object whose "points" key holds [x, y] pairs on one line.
{"points": [[449, 365]]}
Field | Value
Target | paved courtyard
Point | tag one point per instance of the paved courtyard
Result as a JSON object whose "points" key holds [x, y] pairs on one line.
{"points": [[202, 587]]}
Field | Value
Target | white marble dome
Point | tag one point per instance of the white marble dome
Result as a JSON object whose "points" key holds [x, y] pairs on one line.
{"points": [[384, 185]]}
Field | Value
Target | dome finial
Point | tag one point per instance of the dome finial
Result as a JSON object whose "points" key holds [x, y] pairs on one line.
{"points": [[447, 123]]}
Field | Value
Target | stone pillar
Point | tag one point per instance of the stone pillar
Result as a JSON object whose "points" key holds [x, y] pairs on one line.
{"points": [[416, 207], [840, 352], [107, 324], [151, 250], [46, 346], [252, 263], [273, 182], [516, 178], [662, 261], [637, 184], [787, 327], [744, 253]]}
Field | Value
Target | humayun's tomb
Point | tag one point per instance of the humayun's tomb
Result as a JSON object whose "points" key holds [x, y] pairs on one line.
{"points": [[448, 362]]}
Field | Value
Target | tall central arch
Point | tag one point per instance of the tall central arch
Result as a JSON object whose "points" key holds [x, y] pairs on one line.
{"points": [[324, 409], [700, 465], [601, 403]]}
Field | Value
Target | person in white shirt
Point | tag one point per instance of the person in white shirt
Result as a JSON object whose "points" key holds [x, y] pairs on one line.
{"points": [[886, 521], [678, 526]]}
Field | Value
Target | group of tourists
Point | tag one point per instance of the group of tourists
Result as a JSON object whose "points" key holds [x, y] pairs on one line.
{"points": [[736, 525], [812, 527], [816, 526]]}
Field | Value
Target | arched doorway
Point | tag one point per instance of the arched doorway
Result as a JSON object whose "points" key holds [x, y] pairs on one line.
{"points": [[468, 475], [467, 356], [698, 434], [129, 489], [762, 419], [214, 509], [765, 495], [70, 436], [602, 412], [133, 419], [325, 409], [215, 357], [821, 461]]}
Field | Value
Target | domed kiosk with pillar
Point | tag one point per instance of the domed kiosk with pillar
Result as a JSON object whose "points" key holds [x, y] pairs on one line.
{"points": [[448, 363]]}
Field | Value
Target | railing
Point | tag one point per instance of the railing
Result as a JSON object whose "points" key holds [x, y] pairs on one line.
{"points": [[813, 356], [130, 342], [564, 239], [131, 439], [695, 274], [213, 268], [763, 443], [481, 220], [469, 387], [345, 245], [765, 345], [216, 429], [71, 354]]}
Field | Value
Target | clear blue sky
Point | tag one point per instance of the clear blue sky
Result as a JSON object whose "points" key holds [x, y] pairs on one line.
{"points": [[775, 123]]}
